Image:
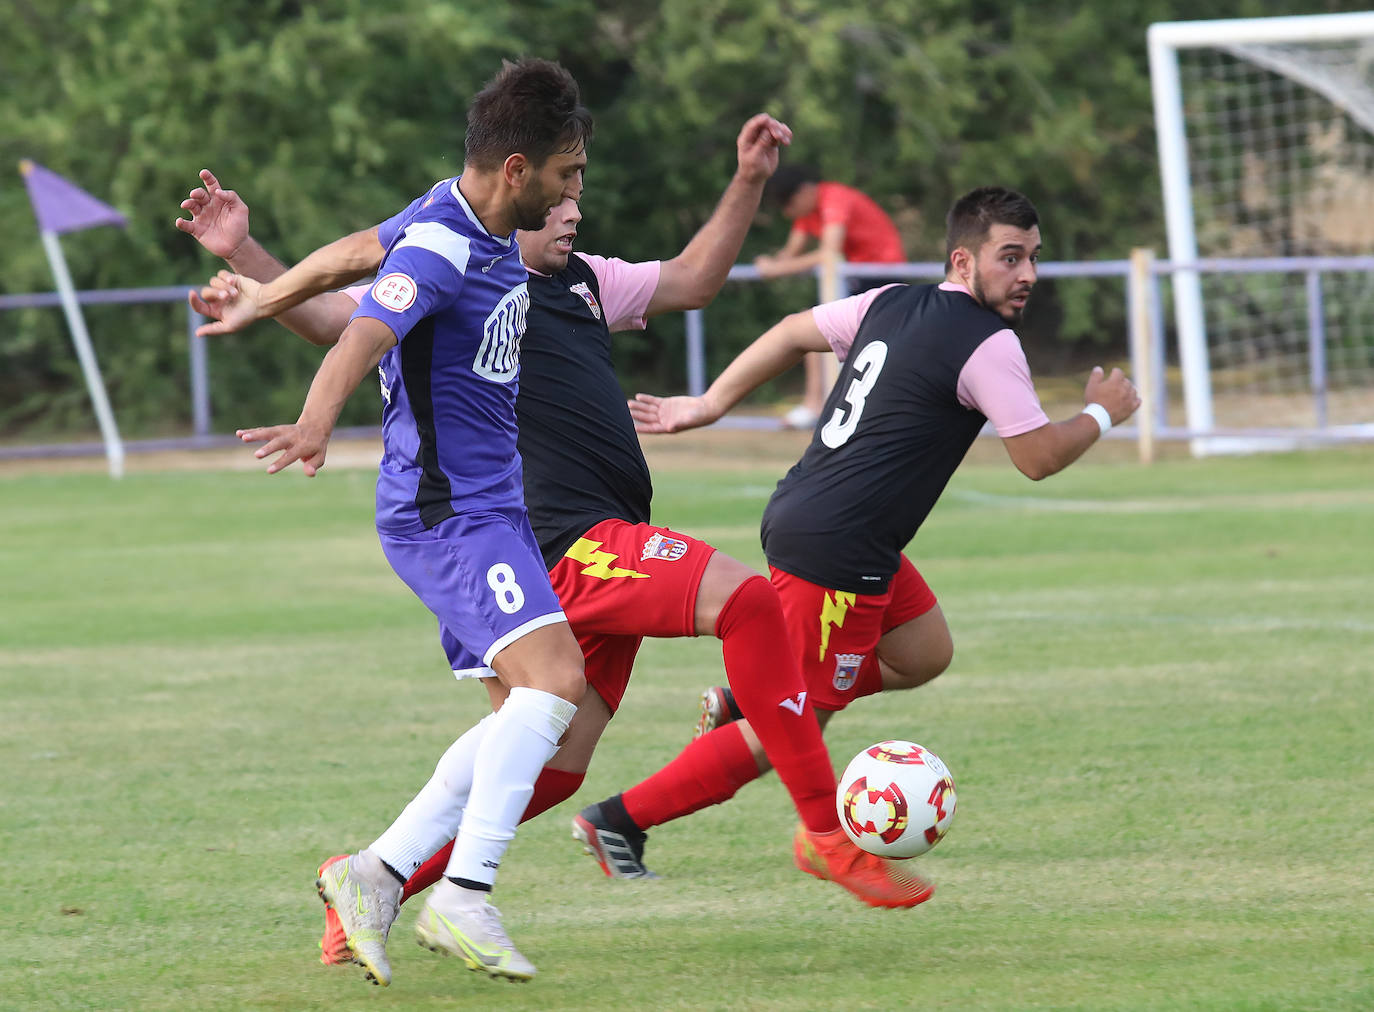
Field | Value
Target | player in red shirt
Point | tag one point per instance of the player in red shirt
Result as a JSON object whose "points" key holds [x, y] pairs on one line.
{"points": [[843, 223]]}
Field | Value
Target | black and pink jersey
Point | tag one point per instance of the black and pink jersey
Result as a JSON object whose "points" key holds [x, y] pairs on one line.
{"points": [[925, 367], [582, 461]]}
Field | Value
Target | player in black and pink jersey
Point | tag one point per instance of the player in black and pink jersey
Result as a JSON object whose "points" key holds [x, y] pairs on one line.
{"points": [[588, 490], [925, 367]]}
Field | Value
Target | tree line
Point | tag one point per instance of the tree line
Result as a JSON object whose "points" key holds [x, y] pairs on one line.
{"points": [[327, 117]]}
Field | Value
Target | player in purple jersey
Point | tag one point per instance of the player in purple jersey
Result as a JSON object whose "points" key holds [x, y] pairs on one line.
{"points": [[443, 321], [925, 367]]}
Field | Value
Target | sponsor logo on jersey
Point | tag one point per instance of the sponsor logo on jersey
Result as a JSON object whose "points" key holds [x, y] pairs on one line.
{"points": [[846, 671], [395, 291], [494, 261], [666, 549], [583, 290], [498, 358]]}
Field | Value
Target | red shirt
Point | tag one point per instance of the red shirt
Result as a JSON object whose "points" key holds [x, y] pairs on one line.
{"points": [[870, 237]]}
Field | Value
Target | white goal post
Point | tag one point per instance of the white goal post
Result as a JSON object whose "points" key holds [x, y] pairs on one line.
{"points": [[1266, 145]]}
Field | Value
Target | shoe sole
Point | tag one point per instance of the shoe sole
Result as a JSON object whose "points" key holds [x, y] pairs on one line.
{"points": [[897, 904], [714, 712], [874, 901], [802, 858], [332, 956], [372, 975], [585, 833], [428, 940]]}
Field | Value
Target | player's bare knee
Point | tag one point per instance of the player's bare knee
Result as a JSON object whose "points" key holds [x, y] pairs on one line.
{"points": [[721, 583], [565, 681], [754, 604], [910, 672]]}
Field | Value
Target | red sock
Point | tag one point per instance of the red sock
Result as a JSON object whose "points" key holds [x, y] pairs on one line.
{"points": [[708, 771], [552, 787], [769, 689]]}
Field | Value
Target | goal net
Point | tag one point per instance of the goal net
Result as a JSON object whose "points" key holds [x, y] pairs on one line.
{"points": [[1266, 136]]}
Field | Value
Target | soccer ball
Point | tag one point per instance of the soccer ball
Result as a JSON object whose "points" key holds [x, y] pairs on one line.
{"points": [[896, 799]]}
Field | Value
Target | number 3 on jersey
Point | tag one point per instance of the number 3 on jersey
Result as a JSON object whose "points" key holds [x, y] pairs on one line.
{"points": [[509, 597], [845, 420]]}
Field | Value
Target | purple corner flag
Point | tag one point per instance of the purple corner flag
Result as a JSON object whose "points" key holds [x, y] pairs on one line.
{"points": [[61, 205]]}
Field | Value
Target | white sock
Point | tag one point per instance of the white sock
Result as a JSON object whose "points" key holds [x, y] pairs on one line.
{"points": [[432, 818], [523, 736]]}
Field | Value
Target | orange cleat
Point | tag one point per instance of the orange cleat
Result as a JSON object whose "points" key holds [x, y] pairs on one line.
{"points": [[334, 948], [877, 881]]}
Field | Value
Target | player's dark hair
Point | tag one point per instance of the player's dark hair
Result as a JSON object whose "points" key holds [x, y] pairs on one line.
{"points": [[783, 183], [971, 218], [531, 107]]}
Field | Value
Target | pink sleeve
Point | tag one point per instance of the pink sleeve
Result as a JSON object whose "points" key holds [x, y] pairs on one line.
{"points": [[357, 292], [626, 289], [839, 320], [996, 380]]}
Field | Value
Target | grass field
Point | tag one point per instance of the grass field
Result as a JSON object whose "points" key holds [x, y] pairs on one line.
{"points": [[1159, 717]]}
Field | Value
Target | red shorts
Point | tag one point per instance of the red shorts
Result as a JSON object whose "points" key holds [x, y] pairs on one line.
{"points": [[835, 634], [621, 582]]}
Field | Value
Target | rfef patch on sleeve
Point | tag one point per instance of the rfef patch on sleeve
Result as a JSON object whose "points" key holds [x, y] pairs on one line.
{"points": [[395, 291]]}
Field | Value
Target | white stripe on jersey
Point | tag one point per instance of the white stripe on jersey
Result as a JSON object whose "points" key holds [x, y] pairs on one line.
{"points": [[438, 238]]}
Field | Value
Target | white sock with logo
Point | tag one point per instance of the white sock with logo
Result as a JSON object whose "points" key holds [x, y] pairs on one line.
{"points": [[432, 818], [523, 736]]}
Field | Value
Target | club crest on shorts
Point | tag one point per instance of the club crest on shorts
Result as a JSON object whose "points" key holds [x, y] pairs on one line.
{"points": [[581, 289], [847, 670], [666, 549]]}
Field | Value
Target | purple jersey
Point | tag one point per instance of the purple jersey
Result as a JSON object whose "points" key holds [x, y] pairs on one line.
{"points": [[455, 296]]}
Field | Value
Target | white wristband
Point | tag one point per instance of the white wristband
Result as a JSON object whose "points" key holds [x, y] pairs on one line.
{"points": [[1100, 415]]}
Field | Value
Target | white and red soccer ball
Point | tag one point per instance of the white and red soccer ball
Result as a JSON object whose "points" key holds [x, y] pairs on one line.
{"points": [[896, 799]]}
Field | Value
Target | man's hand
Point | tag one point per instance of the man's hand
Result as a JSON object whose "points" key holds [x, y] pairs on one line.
{"points": [[219, 219], [230, 300], [670, 414], [767, 266], [1116, 393], [758, 144], [302, 441]]}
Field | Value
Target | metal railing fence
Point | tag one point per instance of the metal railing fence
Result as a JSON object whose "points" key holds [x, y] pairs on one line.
{"points": [[1144, 332]]}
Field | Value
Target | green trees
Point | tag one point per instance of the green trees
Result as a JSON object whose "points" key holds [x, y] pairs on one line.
{"points": [[327, 117]]}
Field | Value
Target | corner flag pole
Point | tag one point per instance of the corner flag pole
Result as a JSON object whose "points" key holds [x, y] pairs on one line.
{"points": [[60, 206]]}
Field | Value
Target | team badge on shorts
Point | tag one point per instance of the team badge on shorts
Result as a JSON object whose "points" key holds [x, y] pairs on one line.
{"points": [[581, 289], [847, 670], [666, 549]]}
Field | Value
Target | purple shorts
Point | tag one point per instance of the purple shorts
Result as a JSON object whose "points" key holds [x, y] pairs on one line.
{"points": [[483, 577]]}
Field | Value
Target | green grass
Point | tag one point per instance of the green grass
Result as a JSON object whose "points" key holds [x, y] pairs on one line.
{"points": [[1158, 716]]}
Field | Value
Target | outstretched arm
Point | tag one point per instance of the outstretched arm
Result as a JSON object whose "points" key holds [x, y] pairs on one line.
{"points": [[1052, 447], [219, 222], [339, 263], [779, 349], [360, 348], [692, 278], [790, 259]]}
